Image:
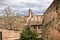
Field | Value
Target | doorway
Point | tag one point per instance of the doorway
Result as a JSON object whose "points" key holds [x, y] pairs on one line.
{"points": [[0, 35]]}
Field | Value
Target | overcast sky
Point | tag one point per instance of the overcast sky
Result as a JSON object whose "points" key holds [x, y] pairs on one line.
{"points": [[22, 6]]}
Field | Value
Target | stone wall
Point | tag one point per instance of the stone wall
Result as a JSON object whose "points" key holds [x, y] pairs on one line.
{"points": [[51, 22], [9, 34]]}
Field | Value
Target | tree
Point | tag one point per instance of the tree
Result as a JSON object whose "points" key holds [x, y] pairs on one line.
{"points": [[9, 18], [28, 35], [21, 22], [8, 12]]}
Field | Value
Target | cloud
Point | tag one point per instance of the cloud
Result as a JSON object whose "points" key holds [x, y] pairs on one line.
{"points": [[22, 6]]}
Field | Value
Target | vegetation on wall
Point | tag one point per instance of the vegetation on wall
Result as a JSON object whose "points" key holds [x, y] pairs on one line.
{"points": [[57, 7], [49, 23], [58, 14], [58, 28]]}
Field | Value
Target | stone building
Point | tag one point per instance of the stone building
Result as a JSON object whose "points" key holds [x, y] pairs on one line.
{"points": [[9, 34], [51, 22], [34, 21]]}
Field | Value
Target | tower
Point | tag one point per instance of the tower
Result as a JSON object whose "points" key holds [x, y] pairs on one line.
{"points": [[30, 13]]}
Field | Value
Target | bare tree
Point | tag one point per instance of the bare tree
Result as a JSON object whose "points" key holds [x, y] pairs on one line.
{"points": [[10, 21], [8, 17], [8, 12]]}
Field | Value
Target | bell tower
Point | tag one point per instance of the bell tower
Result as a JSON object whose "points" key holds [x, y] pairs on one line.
{"points": [[30, 13]]}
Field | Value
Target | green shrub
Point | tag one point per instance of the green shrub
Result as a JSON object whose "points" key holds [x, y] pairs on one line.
{"points": [[39, 39], [28, 35]]}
